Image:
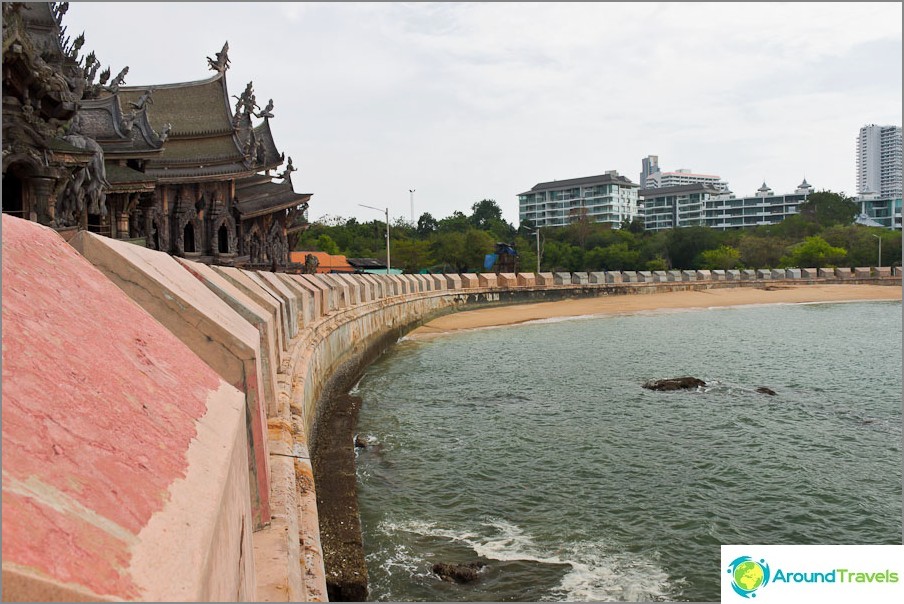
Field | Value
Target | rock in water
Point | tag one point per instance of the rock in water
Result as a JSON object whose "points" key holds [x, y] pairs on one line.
{"points": [[458, 573], [764, 390], [681, 383], [360, 442]]}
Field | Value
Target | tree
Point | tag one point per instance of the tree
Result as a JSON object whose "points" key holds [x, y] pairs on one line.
{"points": [[326, 244], [827, 209], [426, 225], [635, 225], [456, 223], [483, 212], [412, 255], [761, 252], [724, 258], [814, 252]]}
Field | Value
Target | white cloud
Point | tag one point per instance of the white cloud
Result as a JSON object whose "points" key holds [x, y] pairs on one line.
{"points": [[483, 100]]}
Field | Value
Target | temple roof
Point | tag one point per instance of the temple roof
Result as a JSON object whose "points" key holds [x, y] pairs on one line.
{"points": [[193, 108], [130, 133], [256, 197]]}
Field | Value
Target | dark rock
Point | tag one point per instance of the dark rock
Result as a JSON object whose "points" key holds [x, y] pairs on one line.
{"points": [[360, 442], [764, 390], [681, 383], [458, 573]]}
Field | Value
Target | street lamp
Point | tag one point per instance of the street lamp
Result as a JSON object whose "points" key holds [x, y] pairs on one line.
{"points": [[880, 250], [411, 191], [387, 231], [537, 233]]}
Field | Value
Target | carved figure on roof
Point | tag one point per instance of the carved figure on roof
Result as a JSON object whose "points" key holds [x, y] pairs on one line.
{"points": [[288, 171], [167, 128], [221, 63], [128, 121], [266, 111], [144, 100], [119, 80]]}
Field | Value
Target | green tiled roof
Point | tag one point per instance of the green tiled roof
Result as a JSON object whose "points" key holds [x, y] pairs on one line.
{"points": [[191, 107]]}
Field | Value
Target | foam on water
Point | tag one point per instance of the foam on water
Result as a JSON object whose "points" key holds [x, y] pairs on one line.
{"points": [[597, 571]]}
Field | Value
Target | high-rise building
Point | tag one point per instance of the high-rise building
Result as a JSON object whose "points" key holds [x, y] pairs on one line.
{"points": [[649, 166], [652, 177], [879, 161]]}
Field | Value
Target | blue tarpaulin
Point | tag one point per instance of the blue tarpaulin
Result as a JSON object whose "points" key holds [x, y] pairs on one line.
{"points": [[489, 261]]}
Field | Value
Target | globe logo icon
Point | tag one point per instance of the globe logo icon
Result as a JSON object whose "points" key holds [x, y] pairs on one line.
{"points": [[748, 575]]}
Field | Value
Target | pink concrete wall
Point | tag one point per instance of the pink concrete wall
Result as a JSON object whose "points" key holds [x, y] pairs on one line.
{"points": [[108, 422]]}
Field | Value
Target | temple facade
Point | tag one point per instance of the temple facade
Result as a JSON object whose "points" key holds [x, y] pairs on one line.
{"points": [[173, 167]]}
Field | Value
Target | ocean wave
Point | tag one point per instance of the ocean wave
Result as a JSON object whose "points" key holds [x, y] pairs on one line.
{"points": [[597, 570]]}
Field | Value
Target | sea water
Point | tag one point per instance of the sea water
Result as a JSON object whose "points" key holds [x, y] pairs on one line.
{"points": [[534, 450]]}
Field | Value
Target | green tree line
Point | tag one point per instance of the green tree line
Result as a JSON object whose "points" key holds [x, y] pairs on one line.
{"points": [[823, 234]]}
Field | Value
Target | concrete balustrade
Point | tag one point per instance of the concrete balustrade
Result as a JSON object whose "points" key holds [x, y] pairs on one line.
{"points": [[809, 273], [718, 275], [896, 271], [862, 272], [527, 279], [546, 279], [488, 280], [826, 273], [793, 273], [507, 280], [192, 538], [844, 273], [204, 323], [629, 277], [453, 282], [882, 271]]}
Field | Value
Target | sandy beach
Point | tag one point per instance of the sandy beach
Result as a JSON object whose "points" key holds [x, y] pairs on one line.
{"points": [[632, 303]]}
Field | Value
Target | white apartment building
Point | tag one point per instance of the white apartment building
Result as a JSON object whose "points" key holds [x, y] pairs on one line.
{"points": [[607, 198], [684, 177], [675, 207], [701, 204], [879, 163], [762, 208], [652, 177]]}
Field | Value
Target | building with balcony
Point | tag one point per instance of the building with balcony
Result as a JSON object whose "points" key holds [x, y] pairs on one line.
{"points": [[675, 206], [876, 210], [763, 208], [879, 163], [606, 198]]}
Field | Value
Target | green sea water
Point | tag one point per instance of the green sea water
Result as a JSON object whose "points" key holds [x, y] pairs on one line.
{"points": [[534, 450]]}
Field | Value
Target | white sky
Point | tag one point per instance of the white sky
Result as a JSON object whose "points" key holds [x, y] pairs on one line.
{"points": [[484, 100]]}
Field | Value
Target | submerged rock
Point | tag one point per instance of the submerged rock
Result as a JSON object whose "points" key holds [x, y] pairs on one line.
{"points": [[681, 383], [764, 390], [458, 573], [360, 442]]}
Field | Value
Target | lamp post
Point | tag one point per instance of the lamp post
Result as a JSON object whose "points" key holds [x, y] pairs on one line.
{"points": [[880, 250], [411, 191], [387, 231], [537, 234]]}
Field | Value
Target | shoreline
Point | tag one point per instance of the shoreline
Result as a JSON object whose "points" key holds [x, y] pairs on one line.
{"points": [[660, 301]]}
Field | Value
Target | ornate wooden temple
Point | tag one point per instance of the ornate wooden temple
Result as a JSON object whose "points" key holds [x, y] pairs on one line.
{"points": [[174, 167]]}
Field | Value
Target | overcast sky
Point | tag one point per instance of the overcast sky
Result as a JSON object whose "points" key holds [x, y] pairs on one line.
{"points": [[463, 102]]}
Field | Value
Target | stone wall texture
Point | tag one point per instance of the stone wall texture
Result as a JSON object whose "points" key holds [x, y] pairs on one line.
{"points": [[159, 414]]}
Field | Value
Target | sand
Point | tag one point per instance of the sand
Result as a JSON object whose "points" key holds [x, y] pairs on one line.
{"points": [[633, 303]]}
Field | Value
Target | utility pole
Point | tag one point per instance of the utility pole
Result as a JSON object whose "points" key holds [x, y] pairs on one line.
{"points": [[387, 232], [880, 250]]}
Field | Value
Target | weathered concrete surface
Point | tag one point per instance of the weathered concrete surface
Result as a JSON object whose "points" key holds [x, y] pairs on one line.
{"points": [[252, 312], [99, 467], [206, 324], [262, 297], [285, 294]]}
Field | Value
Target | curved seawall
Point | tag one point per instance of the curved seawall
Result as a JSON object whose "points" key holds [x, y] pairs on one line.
{"points": [[159, 415]]}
